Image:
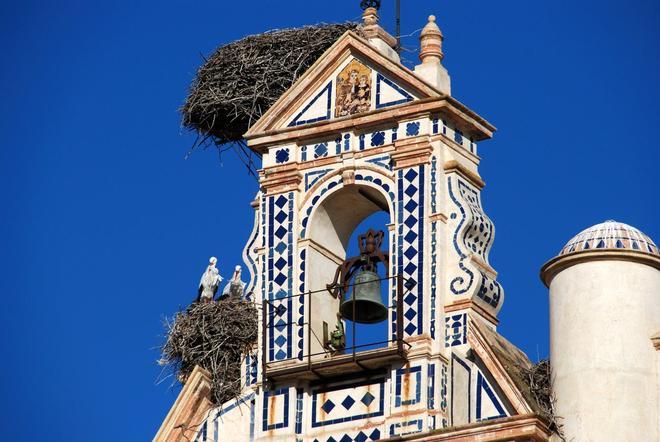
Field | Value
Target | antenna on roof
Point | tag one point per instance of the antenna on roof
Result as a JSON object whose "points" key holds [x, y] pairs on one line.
{"points": [[398, 26]]}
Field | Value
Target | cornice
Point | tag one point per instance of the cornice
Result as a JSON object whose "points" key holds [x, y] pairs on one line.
{"points": [[471, 125], [280, 179], [410, 152], [559, 263], [452, 166]]}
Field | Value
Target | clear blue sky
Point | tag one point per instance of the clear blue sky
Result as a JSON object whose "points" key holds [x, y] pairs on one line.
{"points": [[106, 227]]}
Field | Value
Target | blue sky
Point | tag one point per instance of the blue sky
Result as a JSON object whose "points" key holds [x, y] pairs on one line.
{"points": [[107, 227]]}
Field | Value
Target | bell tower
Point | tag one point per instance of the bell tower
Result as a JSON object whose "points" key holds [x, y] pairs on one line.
{"points": [[356, 134], [359, 133]]}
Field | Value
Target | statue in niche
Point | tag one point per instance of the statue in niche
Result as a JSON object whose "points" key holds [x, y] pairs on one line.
{"points": [[208, 284], [353, 90]]}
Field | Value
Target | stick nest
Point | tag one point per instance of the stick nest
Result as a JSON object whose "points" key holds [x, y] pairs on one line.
{"points": [[539, 378], [216, 336], [241, 80]]}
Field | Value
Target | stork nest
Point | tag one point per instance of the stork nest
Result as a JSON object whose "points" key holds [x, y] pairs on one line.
{"points": [[539, 378], [216, 336], [241, 80]]}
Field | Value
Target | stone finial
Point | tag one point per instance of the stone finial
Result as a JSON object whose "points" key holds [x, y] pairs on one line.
{"points": [[431, 55], [370, 16], [378, 36], [431, 43]]}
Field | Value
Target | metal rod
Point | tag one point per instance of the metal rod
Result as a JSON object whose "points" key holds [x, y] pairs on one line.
{"points": [[354, 323], [264, 331], [357, 346], [399, 316], [309, 333], [398, 26], [325, 290]]}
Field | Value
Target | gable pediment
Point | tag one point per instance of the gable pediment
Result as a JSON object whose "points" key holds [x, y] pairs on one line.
{"points": [[351, 78]]}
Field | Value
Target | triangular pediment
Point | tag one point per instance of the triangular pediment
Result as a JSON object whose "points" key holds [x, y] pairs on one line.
{"points": [[351, 78], [505, 364]]}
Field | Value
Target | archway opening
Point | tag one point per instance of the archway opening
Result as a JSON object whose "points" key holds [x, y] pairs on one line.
{"points": [[333, 236]]}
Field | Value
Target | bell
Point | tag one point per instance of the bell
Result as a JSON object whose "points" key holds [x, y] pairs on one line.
{"points": [[366, 299]]}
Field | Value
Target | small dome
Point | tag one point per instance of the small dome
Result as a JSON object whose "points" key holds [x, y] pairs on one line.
{"points": [[610, 235]]}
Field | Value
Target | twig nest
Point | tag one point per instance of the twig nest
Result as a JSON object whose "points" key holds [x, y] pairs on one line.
{"points": [[215, 336], [241, 80]]}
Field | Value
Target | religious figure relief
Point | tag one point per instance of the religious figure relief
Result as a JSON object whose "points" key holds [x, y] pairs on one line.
{"points": [[353, 90], [208, 284]]}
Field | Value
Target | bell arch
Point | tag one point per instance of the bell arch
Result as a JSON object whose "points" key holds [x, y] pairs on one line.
{"points": [[328, 228]]}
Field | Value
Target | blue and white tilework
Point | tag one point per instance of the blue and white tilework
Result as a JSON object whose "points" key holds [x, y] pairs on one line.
{"points": [[251, 258], [406, 427], [275, 413], [360, 436], [487, 403], [302, 264], [439, 126], [475, 228], [314, 176], [434, 244], [412, 128], [430, 400], [473, 234], [490, 290], [443, 388], [280, 268], [611, 235], [251, 368], [282, 155], [408, 386], [213, 427], [346, 403], [317, 109], [309, 206], [455, 329], [381, 182], [460, 369], [202, 433], [410, 253], [389, 93], [320, 150], [384, 161], [299, 410]]}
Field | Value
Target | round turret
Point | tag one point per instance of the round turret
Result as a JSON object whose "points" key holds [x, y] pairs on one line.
{"points": [[604, 309]]}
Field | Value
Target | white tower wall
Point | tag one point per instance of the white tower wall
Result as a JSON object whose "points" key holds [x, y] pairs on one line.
{"points": [[602, 314]]}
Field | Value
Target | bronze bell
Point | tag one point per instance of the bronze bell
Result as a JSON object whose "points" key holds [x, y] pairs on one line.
{"points": [[369, 307]]}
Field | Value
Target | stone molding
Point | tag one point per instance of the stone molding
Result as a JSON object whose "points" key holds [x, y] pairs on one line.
{"points": [[527, 427], [559, 263], [411, 152], [190, 409], [480, 346], [438, 217], [348, 44], [281, 179], [467, 304], [453, 166], [467, 121], [655, 340]]}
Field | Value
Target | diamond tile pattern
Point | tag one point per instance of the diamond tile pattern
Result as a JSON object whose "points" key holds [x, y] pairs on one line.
{"points": [[367, 399], [411, 244], [346, 403], [328, 406], [280, 222], [361, 436]]}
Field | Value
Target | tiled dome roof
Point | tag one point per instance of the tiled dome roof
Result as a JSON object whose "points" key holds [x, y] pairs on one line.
{"points": [[610, 235]]}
